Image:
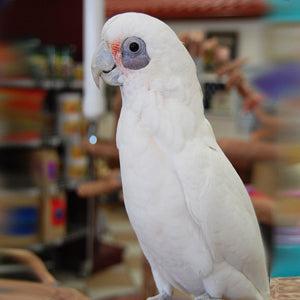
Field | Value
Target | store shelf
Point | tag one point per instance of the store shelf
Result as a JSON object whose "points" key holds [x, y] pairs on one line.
{"points": [[47, 84], [21, 144], [72, 236], [48, 141]]}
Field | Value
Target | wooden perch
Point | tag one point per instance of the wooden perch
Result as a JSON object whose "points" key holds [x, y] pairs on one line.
{"points": [[26, 290], [102, 186], [37, 289], [285, 288], [28, 258]]}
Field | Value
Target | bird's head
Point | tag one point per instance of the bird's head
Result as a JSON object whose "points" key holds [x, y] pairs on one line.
{"points": [[137, 44]]}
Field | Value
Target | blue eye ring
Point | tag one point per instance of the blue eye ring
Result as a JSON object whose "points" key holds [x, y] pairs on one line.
{"points": [[133, 46], [134, 53]]}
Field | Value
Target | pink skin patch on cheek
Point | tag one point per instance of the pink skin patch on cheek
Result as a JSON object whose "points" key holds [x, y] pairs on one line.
{"points": [[115, 50]]}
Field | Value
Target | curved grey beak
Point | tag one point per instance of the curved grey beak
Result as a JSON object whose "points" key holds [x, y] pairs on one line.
{"points": [[103, 65]]}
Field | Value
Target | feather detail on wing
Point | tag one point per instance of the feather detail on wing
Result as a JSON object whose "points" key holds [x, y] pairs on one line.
{"points": [[220, 205]]}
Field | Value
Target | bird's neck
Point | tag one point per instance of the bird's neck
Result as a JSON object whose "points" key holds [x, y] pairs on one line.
{"points": [[139, 93], [171, 117]]}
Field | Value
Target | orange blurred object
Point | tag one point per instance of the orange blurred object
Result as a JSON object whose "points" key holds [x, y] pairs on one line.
{"points": [[21, 114], [166, 9]]}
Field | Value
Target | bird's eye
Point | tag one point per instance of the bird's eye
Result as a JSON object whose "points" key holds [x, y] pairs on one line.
{"points": [[134, 53], [134, 47]]}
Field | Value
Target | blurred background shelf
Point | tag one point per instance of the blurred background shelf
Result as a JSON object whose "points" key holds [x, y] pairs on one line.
{"points": [[47, 84], [50, 141], [72, 236]]}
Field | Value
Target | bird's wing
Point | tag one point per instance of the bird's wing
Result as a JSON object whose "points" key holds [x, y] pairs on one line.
{"points": [[218, 202]]}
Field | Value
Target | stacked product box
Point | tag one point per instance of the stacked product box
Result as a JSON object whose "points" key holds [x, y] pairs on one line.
{"points": [[71, 126], [19, 217], [53, 207], [21, 118]]}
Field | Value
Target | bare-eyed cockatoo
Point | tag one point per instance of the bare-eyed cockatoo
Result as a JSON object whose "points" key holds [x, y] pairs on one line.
{"points": [[191, 213]]}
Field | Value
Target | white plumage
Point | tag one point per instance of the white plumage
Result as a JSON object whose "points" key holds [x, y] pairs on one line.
{"points": [[190, 211]]}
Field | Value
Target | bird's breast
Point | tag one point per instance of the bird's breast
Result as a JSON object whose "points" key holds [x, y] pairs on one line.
{"points": [[148, 178], [156, 205]]}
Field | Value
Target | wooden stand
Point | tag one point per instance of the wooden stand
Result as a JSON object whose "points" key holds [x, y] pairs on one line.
{"points": [[285, 288]]}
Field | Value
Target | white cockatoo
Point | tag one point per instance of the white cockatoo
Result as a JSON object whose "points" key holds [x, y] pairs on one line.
{"points": [[191, 213]]}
